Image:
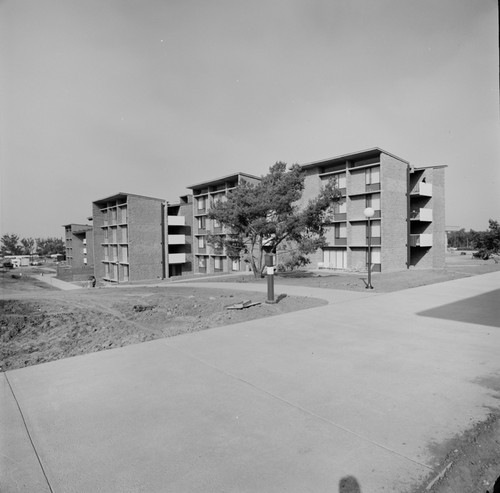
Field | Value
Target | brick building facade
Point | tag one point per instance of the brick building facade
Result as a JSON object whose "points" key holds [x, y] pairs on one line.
{"points": [[131, 238], [407, 228], [139, 238]]}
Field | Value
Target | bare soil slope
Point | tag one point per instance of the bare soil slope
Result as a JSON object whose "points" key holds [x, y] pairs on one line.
{"points": [[44, 326]]}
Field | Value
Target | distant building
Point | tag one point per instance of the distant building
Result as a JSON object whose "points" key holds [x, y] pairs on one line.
{"points": [[79, 245], [131, 238], [407, 228], [210, 259]]}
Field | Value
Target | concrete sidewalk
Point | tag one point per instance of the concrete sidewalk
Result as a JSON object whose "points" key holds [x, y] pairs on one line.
{"points": [[366, 386], [53, 281]]}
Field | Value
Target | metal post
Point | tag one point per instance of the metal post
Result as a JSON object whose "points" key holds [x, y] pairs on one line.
{"points": [[369, 286], [270, 278]]}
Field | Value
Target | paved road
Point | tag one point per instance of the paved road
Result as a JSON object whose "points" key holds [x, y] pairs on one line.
{"points": [[365, 387]]}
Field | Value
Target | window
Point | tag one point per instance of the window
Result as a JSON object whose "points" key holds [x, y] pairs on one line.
{"points": [[235, 264], [202, 222], [341, 180], [373, 201], [376, 229], [216, 224], [202, 262], [124, 254], [124, 234], [341, 230], [335, 258], [218, 263], [85, 261], [372, 175], [201, 203], [201, 242], [106, 253], [340, 207], [376, 257]]}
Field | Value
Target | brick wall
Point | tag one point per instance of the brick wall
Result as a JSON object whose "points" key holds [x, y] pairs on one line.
{"points": [[393, 178], [439, 224], [145, 238], [97, 223]]}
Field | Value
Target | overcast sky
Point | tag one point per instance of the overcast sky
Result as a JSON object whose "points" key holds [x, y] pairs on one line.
{"points": [[150, 96]]}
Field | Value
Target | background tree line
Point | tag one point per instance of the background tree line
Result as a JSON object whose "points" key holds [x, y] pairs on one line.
{"points": [[487, 242], [11, 244]]}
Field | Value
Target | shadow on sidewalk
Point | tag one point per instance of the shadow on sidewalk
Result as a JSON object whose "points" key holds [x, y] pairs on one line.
{"points": [[483, 309]]}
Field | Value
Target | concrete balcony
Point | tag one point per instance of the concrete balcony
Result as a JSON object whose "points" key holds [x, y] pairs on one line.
{"points": [[176, 239], [176, 220], [176, 258], [422, 190], [422, 240], [424, 215]]}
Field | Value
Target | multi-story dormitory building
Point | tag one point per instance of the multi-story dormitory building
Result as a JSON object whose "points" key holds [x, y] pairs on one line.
{"points": [[79, 244], [408, 227], [138, 238]]}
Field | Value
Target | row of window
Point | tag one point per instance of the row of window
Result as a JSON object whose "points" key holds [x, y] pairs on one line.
{"points": [[340, 229], [218, 263], [112, 235], [336, 258], [372, 176], [114, 253], [116, 272], [203, 202], [202, 222], [114, 215]]}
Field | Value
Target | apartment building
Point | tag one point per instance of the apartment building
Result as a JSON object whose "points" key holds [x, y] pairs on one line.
{"points": [[210, 259], [131, 237], [135, 237], [79, 244], [407, 228]]}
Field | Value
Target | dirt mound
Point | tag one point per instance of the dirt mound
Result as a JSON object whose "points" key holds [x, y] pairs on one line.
{"points": [[42, 329]]}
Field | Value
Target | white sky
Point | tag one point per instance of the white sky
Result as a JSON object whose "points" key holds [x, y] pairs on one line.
{"points": [[150, 96]]}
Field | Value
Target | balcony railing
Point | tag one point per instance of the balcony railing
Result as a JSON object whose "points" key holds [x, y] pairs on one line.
{"points": [[176, 258], [176, 221], [422, 189], [422, 240], [424, 215], [176, 239]]}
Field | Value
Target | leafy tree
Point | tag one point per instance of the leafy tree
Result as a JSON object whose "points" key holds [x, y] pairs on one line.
{"points": [[262, 216], [488, 242], [50, 246], [10, 245], [28, 246]]}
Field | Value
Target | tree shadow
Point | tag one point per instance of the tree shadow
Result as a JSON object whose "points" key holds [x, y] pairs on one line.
{"points": [[349, 484]]}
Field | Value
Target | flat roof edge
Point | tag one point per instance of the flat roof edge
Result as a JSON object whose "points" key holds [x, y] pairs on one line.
{"points": [[222, 178], [351, 154], [121, 194]]}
